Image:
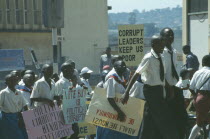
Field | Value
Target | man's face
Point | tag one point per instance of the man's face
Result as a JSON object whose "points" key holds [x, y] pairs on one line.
{"points": [[68, 73], [168, 37], [186, 51], [158, 47], [29, 81], [121, 67], [86, 75], [48, 72], [108, 51], [12, 82]]}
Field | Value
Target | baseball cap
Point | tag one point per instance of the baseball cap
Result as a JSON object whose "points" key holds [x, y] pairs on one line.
{"points": [[85, 70]]}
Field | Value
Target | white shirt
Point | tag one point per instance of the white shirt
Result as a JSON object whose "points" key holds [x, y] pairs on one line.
{"points": [[11, 102], [42, 90], [199, 78], [112, 87], [25, 91], [149, 69], [137, 90], [168, 65], [86, 83], [105, 60], [62, 85], [184, 84]]}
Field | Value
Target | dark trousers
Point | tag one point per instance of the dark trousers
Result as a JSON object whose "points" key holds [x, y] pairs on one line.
{"points": [[177, 105], [158, 121]]}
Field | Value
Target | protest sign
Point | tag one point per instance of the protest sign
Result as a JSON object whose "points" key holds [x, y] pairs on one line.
{"points": [[11, 59], [46, 122], [86, 129], [131, 43], [74, 105], [101, 113]]}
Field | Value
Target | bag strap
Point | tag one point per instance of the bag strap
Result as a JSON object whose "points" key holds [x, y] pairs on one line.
{"points": [[204, 83]]}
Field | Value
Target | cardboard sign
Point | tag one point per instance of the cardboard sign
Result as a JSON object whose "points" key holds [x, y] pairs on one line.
{"points": [[101, 113], [131, 43], [74, 105], [46, 122], [86, 129]]}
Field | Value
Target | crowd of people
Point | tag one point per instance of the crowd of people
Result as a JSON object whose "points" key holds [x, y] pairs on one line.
{"points": [[155, 80]]}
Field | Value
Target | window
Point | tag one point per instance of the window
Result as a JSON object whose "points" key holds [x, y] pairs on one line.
{"points": [[37, 12], [197, 6], [8, 12], [17, 12], [26, 12], [1, 19]]}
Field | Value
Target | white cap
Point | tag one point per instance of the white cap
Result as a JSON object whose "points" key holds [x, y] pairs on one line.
{"points": [[85, 70]]}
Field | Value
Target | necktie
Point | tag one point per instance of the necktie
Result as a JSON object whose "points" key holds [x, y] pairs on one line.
{"points": [[161, 69], [174, 73]]}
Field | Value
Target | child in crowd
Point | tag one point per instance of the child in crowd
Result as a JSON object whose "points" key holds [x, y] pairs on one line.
{"points": [[12, 104]]}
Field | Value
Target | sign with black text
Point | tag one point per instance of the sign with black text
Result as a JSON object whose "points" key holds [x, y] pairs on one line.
{"points": [[131, 43]]}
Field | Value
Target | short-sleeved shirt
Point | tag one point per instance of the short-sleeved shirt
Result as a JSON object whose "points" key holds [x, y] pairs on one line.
{"points": [[105, 60], [112, 86], [149, 69], [137, 90], [42, 90], [192, 61], [199, 78], [11, 102], [26, 93], [61, 86], [168, 65]]}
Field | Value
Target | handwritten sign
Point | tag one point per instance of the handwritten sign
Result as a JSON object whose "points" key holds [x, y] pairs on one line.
{"points": [[101, 113], [131, 43], [86, 129], [74, 105], [46, 122]]}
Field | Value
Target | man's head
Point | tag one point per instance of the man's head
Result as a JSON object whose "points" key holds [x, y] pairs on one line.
{"points": [[120, 67], [85, 73], [11, 80], [30, 72], [67, 70], [157, 44], [116, 58], [28, 79], [55, 77], [167, 35], [108, 51], [206, 61], [47, 70], [17, 74], [186, 49]]}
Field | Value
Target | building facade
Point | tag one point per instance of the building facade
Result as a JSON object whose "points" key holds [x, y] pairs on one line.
{"points": [[196, 26], [85, 31]]}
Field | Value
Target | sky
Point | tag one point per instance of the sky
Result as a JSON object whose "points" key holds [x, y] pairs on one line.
{"points": [[130, 5]]}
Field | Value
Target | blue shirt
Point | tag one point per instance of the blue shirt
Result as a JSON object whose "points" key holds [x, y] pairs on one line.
{"points": [[192, 61]]}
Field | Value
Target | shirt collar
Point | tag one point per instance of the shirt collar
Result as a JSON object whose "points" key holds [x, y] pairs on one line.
{"points": [[10, 91], [170, 51], [154, 54], [205, 67], [64, 79]]}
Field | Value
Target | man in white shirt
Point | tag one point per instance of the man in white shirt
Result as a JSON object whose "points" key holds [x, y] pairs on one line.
{"points": [[64, 83], [158, 119], [12, 104], [44, 89], [26, 89], [106, 59], [200, 88], [174, 95], [62, 86]]}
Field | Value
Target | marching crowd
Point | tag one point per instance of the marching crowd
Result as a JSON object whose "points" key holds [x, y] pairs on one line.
{"points": [[155, 80]]}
